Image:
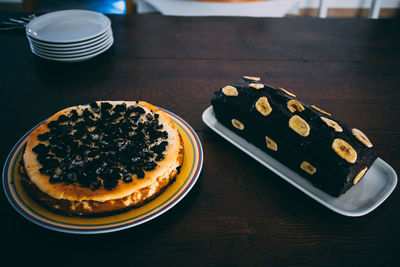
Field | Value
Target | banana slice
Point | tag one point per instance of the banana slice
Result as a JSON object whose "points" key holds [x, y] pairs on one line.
{"points": [[299, 125], [256, 85], [321, 110], [294, 106], [271, 144], [307, 167], [361, 137], [252, 78], [262, 106], [237, 124], [230, 90], [344, 150], [360, 175], [287, 92], [333, 124]]}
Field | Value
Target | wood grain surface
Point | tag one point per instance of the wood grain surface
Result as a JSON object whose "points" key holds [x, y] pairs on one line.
{"points": [[238, 213]]}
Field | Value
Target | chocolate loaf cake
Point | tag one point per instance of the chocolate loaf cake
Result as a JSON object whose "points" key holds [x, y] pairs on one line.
{"points": [[303, 137]]}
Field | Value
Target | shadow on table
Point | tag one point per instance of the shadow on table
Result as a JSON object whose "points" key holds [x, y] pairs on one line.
{"points": [[97, 69]]}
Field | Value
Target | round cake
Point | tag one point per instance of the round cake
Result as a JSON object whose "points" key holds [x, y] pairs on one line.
{"points": [[101, 158]]}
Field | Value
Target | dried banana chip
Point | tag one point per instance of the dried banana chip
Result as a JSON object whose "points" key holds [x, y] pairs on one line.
{"points": [[230, 90], [237, 124], [307, 167], [361, 137], [294, 106], [256, 85], [300, 126], [360, 175], [262, 106], [252, 78], [321, 110], [344, 150], [271, 144], [333, 124], [287, 92]]}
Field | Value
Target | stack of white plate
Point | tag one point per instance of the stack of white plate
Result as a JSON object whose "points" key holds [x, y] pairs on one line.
{"points": [[70, 35]]}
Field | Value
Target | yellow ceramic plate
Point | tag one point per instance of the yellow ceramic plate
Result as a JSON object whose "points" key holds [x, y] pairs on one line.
{"points": [[31, 210]]}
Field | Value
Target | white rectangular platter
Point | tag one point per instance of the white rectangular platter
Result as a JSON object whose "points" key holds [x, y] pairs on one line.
{"points": [[377, 184]]}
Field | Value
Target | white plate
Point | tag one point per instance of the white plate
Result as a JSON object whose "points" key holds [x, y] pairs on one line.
{"points": [[68, 26], [75, 52], [70, 45], [75, 59], [78, 54], [71, 51], [103, 38], [377, 184]]}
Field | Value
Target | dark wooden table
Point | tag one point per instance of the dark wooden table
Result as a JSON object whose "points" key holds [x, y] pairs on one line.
{"points": [[238, 212]]}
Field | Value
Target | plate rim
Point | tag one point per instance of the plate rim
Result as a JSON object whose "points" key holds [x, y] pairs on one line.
{"points": [[209, 112], [68, 46], [114, 226], [60, 12], [53, 49], [76, 59], [91, 50]]}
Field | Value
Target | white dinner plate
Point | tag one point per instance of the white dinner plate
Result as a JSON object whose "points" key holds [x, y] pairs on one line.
{"points": [[103, 39], [377, 184], [80, 54], [68, 26], [72, 45], [74, 59], [75, 56], [83, 50]]}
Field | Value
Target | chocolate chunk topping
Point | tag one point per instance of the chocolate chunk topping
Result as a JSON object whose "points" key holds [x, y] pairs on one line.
{"points": [[127, 177], [54, 178], [62, 118], [120, 108], [43, 137], [101, 146], [95, 107], [140, 173], [159, 148], [105, 106], [73, 115], [179, 169], [159, 157], [135, 109], [58, 151], [52, 124], [41, 149], [86, 113]]}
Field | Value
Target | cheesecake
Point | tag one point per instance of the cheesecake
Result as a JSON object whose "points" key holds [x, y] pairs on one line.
{"points": [[101, 158]]}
